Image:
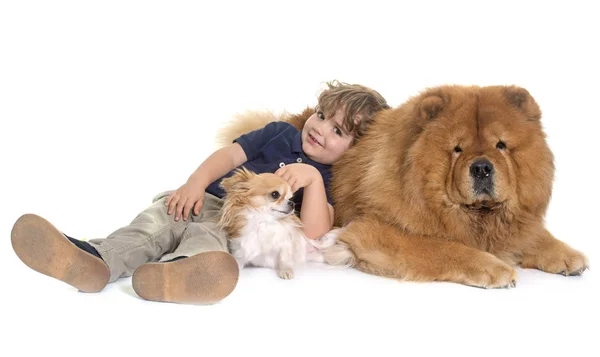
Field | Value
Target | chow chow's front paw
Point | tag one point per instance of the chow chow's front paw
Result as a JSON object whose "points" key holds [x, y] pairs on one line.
{"points": [[562, 260], [491, 273]]}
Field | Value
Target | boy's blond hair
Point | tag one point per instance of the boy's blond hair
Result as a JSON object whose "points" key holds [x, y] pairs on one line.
{"points": [[358, 102]]}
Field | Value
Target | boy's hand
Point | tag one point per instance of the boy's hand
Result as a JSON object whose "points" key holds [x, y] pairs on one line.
{"points": [[181, 201], [299, 175]]}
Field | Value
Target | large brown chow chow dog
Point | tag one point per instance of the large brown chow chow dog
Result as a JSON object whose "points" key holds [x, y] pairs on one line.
{"points": [[453, 186]]}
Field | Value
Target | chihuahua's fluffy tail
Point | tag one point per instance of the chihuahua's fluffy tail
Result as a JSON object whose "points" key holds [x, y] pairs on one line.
{"points": [[335, 252], [340, 255], [253, 120]]}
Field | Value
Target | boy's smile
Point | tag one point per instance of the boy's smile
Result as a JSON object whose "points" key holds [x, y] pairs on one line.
{"points": [[324, 140], [313, 141]]}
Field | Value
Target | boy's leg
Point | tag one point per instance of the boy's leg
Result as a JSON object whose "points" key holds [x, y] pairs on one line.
{"points": [[147, 238], [200, 270], [45, 249]]}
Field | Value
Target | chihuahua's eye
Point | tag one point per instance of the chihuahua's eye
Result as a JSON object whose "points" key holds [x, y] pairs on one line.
{"points": [[275, 195]]}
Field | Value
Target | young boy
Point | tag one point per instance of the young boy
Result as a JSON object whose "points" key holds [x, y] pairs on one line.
{"points": [[174, 249]]}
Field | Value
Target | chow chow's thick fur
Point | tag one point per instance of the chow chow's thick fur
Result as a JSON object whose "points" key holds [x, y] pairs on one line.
{"points": [[453, 186]]}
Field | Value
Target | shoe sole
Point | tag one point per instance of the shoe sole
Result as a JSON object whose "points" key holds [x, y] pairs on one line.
{"points": [[46, 250], [205, 278]]}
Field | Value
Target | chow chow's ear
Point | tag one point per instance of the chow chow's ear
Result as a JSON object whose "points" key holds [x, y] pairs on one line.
{"points": [[521, 99], [237, 180], [432, 103]]}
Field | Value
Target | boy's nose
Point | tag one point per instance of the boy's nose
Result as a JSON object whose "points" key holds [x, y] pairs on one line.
{"points": [[319, 129]]}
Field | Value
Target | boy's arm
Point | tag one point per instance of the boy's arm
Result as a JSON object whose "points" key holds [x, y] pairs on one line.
{"points": [[316, 213], [191, 194], [218, 164]]}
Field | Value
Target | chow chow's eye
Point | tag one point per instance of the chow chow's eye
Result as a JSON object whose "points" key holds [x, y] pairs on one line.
{"points": [[275, 195], [501, 145], [457, 149]]}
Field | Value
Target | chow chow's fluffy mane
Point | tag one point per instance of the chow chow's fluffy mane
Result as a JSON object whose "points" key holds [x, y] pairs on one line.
{"points": [[396, 160]]}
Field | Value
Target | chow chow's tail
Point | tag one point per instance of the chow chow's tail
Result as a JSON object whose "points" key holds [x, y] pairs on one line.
{"points": [[252, 120]]}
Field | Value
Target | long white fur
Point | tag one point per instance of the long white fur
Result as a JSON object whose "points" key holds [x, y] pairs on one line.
{"points": [[275, 242], [335, 252]]}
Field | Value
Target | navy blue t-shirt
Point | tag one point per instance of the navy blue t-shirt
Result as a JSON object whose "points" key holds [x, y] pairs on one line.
{"points": [[272, 147]]}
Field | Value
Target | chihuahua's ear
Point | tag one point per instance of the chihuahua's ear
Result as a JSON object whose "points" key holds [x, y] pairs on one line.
{"points": [[241, 176]]}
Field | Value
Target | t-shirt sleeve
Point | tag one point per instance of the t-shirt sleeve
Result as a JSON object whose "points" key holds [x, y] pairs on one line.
{"points": [[327, 182], [329, 199], [253, 142]]}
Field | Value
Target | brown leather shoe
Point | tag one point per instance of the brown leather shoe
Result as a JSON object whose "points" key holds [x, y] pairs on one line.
{"points": [[46, 250], [205, 278]]}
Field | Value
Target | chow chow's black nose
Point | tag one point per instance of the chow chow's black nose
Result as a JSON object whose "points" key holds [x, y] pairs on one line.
{"points": [[482, 172], [482, 169]]}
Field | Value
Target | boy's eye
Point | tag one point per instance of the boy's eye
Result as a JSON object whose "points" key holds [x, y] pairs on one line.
{"points": [[338, 132], [275, 195], [320, 115]]}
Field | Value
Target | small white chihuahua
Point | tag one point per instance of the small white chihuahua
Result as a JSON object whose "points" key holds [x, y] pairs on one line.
{"points": [[263, 230]]}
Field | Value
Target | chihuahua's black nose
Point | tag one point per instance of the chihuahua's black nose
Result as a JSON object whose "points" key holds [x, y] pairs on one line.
{"points": [[482, 172], [482, 169], [291, 204]]}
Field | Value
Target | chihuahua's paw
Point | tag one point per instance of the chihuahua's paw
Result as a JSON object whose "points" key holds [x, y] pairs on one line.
{"points": [[285, 273]]}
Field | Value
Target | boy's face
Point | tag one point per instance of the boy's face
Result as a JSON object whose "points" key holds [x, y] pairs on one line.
{"points": [[324, 140]]}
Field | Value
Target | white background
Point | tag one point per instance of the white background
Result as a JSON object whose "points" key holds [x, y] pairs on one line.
{"points": [[104, 104]]}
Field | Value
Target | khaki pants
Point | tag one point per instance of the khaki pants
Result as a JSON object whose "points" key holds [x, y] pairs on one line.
{"points": [[155, 236]]}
